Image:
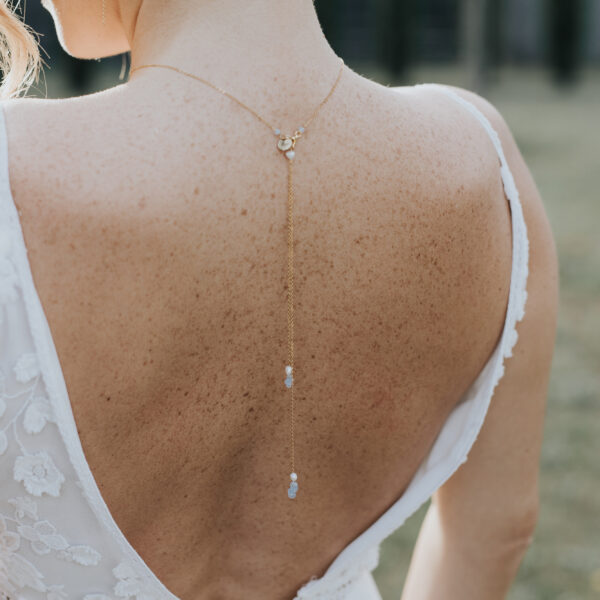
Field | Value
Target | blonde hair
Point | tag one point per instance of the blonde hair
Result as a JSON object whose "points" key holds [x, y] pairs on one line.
{"points": [[20, 59]]}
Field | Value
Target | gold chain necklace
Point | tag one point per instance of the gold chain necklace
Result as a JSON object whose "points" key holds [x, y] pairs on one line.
{"points": [[286, 144]]}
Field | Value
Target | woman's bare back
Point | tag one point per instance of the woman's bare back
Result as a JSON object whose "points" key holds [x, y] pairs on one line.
{"points": [[155, 220]]}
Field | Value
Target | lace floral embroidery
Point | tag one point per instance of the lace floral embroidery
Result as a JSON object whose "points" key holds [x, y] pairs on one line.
{"points": [[16, 572], [38, 413], [38, 473], [27, 534], [56, 592], [43, 535], [8, 282], [337, 585], [129, 584], [27, 367]]}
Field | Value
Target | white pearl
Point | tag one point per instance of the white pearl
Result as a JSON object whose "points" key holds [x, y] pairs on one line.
{"points": [[290, 154], [288, 370], [293, 476]]}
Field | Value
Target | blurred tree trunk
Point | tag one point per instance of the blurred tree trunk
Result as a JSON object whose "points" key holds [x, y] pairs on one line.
{"points": [[328, 12], [473, 24], [565, 27], [494, 37], [395, 27]]}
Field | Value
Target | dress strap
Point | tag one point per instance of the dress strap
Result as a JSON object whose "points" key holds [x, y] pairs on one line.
{"points": [[520, 258], [7, 206]]}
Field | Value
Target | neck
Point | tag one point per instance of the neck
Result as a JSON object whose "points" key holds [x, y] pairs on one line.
{"points": [[280, 42]]}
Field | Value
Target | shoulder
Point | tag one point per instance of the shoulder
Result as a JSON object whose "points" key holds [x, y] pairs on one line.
{"points": [[482, 104], [534, 210], [36, 125], [486, 207], [30, 125], [38, 159], [48, 143], [446, 126], [469, 115], [544, 255], [543, 271]]}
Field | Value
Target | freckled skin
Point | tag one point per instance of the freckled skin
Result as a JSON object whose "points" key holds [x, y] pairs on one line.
{"points": [[161, 262]]}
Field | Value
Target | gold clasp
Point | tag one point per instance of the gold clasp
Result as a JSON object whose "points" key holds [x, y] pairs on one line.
{"points": [[296, 135]]}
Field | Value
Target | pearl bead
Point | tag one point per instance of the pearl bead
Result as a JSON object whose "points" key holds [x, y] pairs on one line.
{"points": [[288, 370], [285, 144], [301, 129], [293, 476], [277, 131]]}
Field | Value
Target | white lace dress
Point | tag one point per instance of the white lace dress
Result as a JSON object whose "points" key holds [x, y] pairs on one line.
{"points": [[58, 540]]}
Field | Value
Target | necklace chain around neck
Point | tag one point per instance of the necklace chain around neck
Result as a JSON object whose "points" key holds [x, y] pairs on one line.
{"points": [[226, 93]]}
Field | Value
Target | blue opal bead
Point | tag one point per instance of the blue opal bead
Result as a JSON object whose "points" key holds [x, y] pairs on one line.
{"points": [[301, 129], [292, 489], [277, 131], [288, 382]]}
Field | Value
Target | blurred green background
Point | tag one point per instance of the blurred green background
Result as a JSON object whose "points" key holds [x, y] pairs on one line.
{"points": [[538, 61]]}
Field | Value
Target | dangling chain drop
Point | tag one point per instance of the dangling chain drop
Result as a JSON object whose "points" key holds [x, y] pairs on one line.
{"points": [[286, 145]]}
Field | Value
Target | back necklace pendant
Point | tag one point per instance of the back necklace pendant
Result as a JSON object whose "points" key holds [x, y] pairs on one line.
{"points": [[287, 143]]}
